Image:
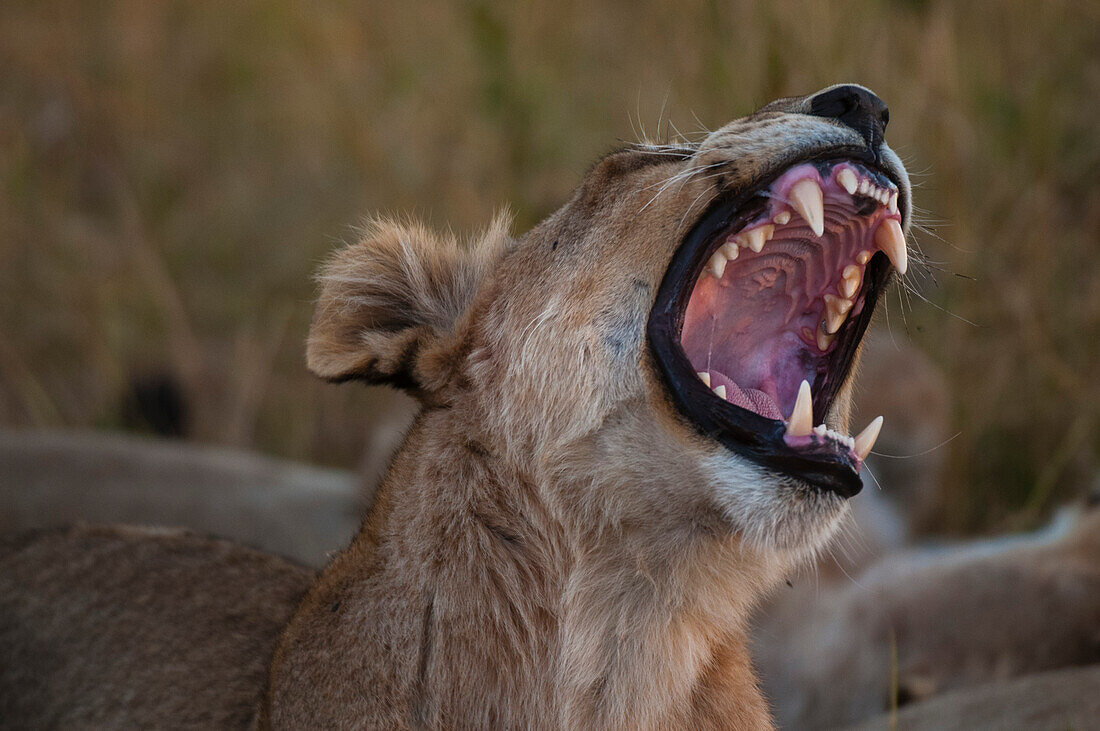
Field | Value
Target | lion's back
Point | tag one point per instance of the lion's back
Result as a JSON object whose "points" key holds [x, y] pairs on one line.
{"points": [[126, 627]]}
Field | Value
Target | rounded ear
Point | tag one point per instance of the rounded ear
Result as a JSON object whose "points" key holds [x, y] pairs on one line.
{"points": [[394, 295]]}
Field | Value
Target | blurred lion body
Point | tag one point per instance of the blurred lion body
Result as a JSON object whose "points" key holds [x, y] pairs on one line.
{"points": [[55, 478], [1057, 700], [137, 628], [942, 619]]}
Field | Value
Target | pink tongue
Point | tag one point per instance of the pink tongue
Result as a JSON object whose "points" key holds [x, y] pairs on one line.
{"points": [[748, 398]]}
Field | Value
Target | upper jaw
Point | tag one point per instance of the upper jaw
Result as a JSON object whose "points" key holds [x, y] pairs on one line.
{"points": [[791, 445]]}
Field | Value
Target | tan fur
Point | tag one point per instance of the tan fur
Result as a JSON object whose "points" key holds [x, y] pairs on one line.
{"points": [[554, 546]]}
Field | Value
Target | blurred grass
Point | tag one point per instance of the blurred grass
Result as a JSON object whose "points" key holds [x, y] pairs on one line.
{"points": [[172, 172]]}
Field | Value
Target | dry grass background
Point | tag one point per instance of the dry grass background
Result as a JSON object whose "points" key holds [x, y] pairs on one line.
{"points": [[172, 172]]}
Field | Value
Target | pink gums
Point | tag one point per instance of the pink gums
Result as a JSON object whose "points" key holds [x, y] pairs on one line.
{"points": [[755, 330]]}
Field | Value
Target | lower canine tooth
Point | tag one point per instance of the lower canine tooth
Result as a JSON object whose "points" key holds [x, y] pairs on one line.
{"points": [[801, 422], [866, 438], [806, 198], [717, 264], [704, 376], [889, 238], [848, 180]]}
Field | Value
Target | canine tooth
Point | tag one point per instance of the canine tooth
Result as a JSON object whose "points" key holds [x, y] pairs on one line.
{"points": [[889, 238], [806, 199], [866, 438], [717, 264], [704, 376], [720, 391], [801, 422], [847, 180], [824, 340], [849, 284], [730, 250], [759, 235], [782, 217], [892, 204]]}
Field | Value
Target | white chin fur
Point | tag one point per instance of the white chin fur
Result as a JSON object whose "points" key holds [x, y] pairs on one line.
{"points": [[771, 511]]}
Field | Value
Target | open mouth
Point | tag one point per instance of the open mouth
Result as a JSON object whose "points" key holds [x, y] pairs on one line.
{"points": [[762, 310]]}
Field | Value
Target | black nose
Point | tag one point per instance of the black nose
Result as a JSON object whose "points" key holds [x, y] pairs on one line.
{"points": [[856, 107]]}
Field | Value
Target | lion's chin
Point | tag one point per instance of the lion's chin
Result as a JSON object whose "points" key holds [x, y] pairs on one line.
{"points": [[775, 513]]}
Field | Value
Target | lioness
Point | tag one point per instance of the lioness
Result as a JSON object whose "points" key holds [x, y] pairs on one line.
{"points": [[634, 422]]}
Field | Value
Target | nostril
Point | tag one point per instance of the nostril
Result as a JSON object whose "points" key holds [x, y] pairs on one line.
{"points": [[855, 106]]}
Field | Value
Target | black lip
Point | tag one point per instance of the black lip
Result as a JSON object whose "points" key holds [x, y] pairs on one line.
{"points": [[825, 466]]}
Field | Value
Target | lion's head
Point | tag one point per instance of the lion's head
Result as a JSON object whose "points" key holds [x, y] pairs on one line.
{"points": [[675, 344]]}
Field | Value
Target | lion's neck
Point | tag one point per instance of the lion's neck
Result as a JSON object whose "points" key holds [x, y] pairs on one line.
{"points": [[652, 632], [464, 600]]}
